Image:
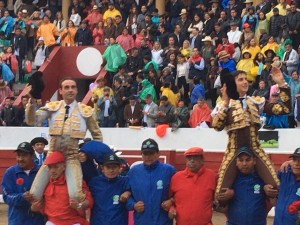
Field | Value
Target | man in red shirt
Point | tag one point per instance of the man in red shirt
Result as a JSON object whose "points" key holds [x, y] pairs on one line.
{"points": [[56, 204], [192, 191]]}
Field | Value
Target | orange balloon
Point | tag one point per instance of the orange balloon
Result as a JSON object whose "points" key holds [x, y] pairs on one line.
{"points": [[161, 130]]}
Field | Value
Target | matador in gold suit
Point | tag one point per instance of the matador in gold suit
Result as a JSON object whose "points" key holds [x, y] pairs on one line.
{"points": [[65, 132], [242, 123]]}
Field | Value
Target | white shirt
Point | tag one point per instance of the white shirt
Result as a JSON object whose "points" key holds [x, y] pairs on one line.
{"points": [[72, 107], [146, 109], [234, 36]]}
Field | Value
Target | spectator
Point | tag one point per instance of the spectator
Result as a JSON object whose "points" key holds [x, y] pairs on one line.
{"points": [[195, 40], [109, 29], [131, 22], [125, 40], [207, 50], [19, 44], [94, 17], [290, 59], [225, 46], [57, 205], [133, 63], [195, 23], [38, 145], [114, 56], [148, 26], [196, 65], [98, 34], [67, 36], [208, 25], [163, 36], [59, 22], [156, 54], [200, 115], [111, 12], [120, 99], [5, 91], [263, 24], [147, 89], [6, 24], [186, 206], [186, 49], [141, 16], [249, 182], [175, 9], [122, 75], [148, 195], [49, 32], [75, 17], [178, 36], [246, 35], [234, 16], [20, 116], [149, 112], [181, 115], [266, 73], [212, 75], [75, 4], [253, 48], [83, 35], [246, 64], [184, 22], [107, 115], [8, 113], [262, 91], [41, 53], [167, 91], [271, 45], [276, 25], [217, 34], [133, 112], [250, 18], [182, 76], [120, 25], [234, 34], [165, 113], [226, 62], [16, 184]]}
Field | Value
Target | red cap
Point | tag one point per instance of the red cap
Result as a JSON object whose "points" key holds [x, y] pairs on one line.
{"points": [[194, 151], [54, 157], [246, 25]]}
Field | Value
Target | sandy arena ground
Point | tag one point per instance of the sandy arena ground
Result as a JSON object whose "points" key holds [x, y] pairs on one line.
{"points": [[218, 218]]}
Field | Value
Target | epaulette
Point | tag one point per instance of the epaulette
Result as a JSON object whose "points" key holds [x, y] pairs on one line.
{"points": [[53, 106], [257, 99], [85, 110]]}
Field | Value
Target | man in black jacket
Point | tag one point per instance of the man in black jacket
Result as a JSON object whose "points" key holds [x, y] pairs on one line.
{"points": [[293, 23], [83, 35], [19, 44], [276, 23], [8, 113]]}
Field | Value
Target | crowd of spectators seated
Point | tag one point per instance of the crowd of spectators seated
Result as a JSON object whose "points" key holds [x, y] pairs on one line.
{"points": [[172, 60]]}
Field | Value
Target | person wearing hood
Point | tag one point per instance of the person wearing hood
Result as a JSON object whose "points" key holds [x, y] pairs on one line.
{"points": [[147, 89], [246, 64]]}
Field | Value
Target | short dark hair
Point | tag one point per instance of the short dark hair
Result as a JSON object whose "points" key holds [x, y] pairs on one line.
{"points": [[24, 96], [66, 78], [163, 98], [148, 96]]}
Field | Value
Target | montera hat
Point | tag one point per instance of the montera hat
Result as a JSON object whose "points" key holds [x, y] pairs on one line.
{"points": [[37, 84], [228, 79]]}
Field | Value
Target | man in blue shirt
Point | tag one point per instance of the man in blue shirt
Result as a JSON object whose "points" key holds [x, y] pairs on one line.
{"points": [[289, 191], [16, 184], [247, 200], [149, 183]]}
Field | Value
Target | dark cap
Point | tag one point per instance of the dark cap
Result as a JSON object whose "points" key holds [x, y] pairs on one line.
{"points": [[149, 145], [296, 153], [245, 150], [39, 140], [25, 147], [111, 159], [233, 23]]}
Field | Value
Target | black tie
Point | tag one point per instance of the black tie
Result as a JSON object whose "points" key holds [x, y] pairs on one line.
{"points": [[67, 112], [241, 101]]}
